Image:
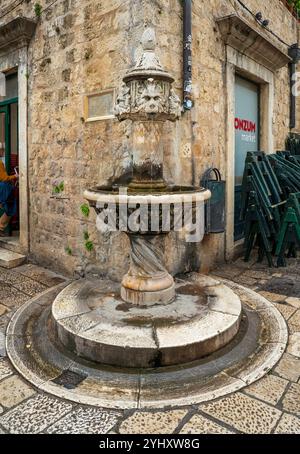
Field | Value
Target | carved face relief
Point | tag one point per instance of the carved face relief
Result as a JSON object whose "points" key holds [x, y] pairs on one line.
{"points": [[151, 99]]}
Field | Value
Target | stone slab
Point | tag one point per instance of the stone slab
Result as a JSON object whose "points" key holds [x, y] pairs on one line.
{"points": [[291, 401], [198, 424], [105, 329], [295, 302], [5, 369], [86, 421], [13, 391], [9, 259], [294, 345], [152, 423], [10, 297], [286, 310], [286, 286], [3, 310], [294, 321], [288, 424], [34, 415], [41, 275], [288, 368], [11, 243], [269, 389], [244, 413]]}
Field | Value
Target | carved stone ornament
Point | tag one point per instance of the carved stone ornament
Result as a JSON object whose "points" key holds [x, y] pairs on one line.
{"points": [[16, 34], [146, 91], [175, 104], [123, 100]]}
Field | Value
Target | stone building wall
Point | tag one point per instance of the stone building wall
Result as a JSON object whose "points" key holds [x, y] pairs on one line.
{"points": [[84, 46]]}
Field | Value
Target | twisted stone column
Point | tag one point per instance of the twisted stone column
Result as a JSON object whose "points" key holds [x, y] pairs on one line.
{"points": [[147, 282]]}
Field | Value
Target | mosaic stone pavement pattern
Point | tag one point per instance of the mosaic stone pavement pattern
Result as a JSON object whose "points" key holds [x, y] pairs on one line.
{"points": [[271, 405]]}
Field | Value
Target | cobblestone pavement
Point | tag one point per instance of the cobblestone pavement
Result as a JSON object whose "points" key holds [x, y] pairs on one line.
{"points": [[271, 405]]}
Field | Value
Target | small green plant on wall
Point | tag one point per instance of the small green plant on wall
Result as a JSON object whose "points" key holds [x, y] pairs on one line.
{"points": [[85, 210], [37, 9], [89, 245], [58, 188], [68, 250]]}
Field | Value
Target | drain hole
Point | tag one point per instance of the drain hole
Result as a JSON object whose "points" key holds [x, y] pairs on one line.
{"points": [[69, 380]]}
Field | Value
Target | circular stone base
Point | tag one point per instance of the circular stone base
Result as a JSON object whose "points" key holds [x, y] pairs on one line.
{"points": [[204, 317], [38, 356]]}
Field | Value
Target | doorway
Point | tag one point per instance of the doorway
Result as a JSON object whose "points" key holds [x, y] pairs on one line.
{"points": [[246, 124], [9, 142]]}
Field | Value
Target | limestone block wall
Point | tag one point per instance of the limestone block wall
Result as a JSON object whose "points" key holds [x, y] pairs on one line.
{"points": [[84, 46]]}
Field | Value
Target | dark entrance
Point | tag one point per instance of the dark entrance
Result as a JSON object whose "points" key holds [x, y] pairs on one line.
{"points": [[9, 134]]}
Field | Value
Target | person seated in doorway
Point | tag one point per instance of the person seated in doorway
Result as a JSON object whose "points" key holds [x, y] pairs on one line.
{"points": [[8, 202]]}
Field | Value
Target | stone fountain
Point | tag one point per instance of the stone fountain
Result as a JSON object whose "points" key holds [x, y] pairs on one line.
{"points": [[149, 101], [151, 321], [150, 341]]}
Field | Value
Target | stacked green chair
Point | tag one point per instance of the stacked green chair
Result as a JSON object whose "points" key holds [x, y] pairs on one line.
{"points": [[271, 205], [262, 206], [289, 235], [257, 231], [293, 144], [287, 170]]}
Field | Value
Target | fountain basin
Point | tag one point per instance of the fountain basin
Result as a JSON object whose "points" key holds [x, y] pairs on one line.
{"points": [[98, 325], [125, 195], [145, 217], [160, 212]]}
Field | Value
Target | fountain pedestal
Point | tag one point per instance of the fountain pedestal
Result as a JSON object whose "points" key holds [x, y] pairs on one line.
{"points": [[147, 281]]}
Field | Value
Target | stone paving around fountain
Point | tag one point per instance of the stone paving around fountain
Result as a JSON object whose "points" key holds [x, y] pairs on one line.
{"points": [[271, 405]]}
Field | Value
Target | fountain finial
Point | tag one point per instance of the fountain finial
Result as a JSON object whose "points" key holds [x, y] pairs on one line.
{"points": [[146, 91], [149, 65], [148, 39]]}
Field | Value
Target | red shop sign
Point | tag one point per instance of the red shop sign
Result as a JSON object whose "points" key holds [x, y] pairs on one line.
{"points": [[244, 125]]}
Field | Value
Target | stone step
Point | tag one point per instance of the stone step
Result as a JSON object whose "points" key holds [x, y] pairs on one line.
{"points": [[11, 243], [9, 259]]}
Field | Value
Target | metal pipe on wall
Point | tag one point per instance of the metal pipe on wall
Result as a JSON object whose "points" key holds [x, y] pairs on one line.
{"points": [[187, 54]]}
